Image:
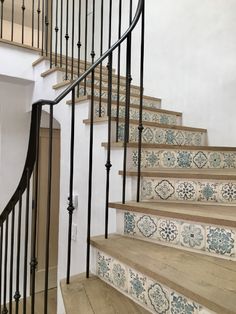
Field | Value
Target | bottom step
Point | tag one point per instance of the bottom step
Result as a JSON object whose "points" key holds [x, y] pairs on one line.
{"points": [[93, 296], [166, 280]]}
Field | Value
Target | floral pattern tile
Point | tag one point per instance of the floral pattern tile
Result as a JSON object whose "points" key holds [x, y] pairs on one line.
{"points": [[165, 136], [187, 235], [152, 295], [221, 241], [155, 158], [188, 190], [104, 266], [192, 236], [182, 305], [168, 230]]}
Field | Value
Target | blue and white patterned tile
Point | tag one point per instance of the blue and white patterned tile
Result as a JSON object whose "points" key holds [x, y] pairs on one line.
{"points": [[192, 236], [188, 190], [158, 297], [181, 305], [104, 266], [119, 274], [169, 231], [158, 135], [180, 159], [146, 226], [137, 286], [129, 223], [220, 241]]}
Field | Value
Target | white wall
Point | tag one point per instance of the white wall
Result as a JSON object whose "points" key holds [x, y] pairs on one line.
{"points": [[15, 96], [190, 62]]}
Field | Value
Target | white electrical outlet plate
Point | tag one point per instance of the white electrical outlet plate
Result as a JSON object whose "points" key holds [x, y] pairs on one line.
{"points": [[74, 232]]}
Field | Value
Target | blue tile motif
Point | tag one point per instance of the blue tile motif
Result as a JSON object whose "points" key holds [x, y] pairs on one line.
{"points": [[129, 223], [220, 241], [180, 305], [215, 160], [158, 298], [229, 192], [186, 191], [119, 276], [184, 159], [168, 230], [169, 159], [138, 286], [200, 159], [104, 266]]}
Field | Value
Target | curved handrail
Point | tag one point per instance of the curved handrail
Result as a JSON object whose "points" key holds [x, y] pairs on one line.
{"points": [[36, 116]]}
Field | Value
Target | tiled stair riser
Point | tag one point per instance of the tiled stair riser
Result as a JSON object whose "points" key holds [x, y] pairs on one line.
{"points": [[182, 159], [152, 295], [150, 116], [207, 239], [151, 103], [114, 86], [160, 135], [172, 189]]}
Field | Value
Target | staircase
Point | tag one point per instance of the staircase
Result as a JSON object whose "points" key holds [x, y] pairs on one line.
{"points": [[173, 251]]}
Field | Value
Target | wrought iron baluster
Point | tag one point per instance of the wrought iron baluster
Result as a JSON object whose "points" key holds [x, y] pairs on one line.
{"points": [[67, 36], [140, 127], [43, 30], [79, 45], [11, 260], [1, 261], [56, 33], [23, 22], [51, 32], [17, 295], [25, 272], [118, 72], [32, 24], [72, 39], [85, 44], [101, 51], [71, 207], [5, 281], [12, 19], [108, 162], [48, 214], [61, 32], [46, 27], [38, 23], [2, 15]]}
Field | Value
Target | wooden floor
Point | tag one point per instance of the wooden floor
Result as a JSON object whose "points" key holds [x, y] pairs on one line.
{"points": [[93, 296], [39, 303], [207, 280]]}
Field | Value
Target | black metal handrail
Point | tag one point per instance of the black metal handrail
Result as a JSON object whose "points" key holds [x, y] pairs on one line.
{"points": [[32, 159], [37, 107]]}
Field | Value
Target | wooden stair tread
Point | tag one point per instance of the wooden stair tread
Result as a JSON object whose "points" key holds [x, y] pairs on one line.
{"points": [[151, 124], [214, 174], [224, 215], [168, 146], [93, 296], [207, 280]]}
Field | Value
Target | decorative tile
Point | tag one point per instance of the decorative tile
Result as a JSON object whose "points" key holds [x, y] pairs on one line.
{"points": [[164, 189], [119, 276], [186, 191], [137, 286], [200, 159], [169, 159], [220, 241], [104, 266], [182, 305], [168, 230], [147, 226], [228, 192], [170, 137], [229, 160], [148, 135], [146, 189], [192, 236], [208, 191], [158, 297], [184, 159], [152, 159], [215, 160], [129, 223]]}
